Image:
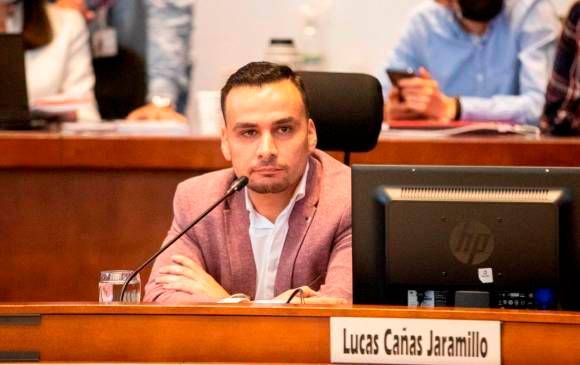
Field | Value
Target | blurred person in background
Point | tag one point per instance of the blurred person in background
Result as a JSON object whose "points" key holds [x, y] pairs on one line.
{"points": [[562, 110], [57, 57], [126, 18], [169, 56], [163, 40], [475, 60]]}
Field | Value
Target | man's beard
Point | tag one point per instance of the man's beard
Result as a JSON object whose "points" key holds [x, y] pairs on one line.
{"points": [[276, 186], [269, 188]]}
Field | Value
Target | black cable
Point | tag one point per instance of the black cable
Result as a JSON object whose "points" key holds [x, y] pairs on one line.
{"points": [[294, 293]]}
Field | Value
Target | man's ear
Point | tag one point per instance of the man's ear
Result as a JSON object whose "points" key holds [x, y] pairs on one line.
{"points": [[312, 137], [225, 144]]}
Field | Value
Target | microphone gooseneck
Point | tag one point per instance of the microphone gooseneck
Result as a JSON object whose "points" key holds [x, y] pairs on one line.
{"points": [[236, 186]]}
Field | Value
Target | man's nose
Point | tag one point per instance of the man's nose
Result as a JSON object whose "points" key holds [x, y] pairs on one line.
{"points": [[267, 147]]}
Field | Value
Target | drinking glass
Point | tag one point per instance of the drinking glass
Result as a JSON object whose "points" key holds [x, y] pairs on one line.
{"points": [[111, 283]]}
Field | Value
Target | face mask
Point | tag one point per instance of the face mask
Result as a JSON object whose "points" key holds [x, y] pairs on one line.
{"points": [[480, 10]]}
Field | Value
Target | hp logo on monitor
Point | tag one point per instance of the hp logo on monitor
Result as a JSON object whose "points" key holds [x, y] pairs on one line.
{"points": [[471, 242]]}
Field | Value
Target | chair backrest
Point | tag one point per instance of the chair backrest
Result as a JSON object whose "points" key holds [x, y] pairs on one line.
{"points": [[347, 109], [13, 95], [120, 83]]}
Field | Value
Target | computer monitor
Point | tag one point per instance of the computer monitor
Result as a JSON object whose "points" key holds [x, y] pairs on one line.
{"points": [[511, 231]]}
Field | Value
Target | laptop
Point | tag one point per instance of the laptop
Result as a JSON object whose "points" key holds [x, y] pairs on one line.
{"points": [[14, 111]]}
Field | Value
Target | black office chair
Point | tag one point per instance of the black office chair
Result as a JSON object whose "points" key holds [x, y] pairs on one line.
{"points": [[347, 109], [120, 83]]}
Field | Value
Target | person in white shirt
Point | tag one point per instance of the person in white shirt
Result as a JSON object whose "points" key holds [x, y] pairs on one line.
{"points": [[58, 58], [167, 37]]}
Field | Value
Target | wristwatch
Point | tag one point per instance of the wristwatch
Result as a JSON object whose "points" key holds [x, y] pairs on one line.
{"points": [[161, 101]]}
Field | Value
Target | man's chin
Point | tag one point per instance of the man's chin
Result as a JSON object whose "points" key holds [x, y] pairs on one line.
{"points": [[271, 187]]}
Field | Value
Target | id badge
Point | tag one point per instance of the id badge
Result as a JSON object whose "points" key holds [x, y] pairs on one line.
{"points": [[104, 42]]}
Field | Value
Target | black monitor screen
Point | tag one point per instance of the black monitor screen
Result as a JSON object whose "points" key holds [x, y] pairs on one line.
{"points": [[513, 233]]}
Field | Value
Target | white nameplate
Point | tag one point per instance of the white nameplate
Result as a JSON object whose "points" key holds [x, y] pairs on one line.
{"points": [[414, 341]]}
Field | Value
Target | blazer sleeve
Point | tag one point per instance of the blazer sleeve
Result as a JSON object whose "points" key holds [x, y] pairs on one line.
{"points": [[338, 282], [187, 246]]}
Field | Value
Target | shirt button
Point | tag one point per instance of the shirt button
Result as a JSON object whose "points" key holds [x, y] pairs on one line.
{"points": [[479, 77]]}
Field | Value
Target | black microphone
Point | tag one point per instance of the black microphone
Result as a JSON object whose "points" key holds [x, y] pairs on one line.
{"points": [[237, 185]]}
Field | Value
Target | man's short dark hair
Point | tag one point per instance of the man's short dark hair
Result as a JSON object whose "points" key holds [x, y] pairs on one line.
{"points": [[260, 73]]}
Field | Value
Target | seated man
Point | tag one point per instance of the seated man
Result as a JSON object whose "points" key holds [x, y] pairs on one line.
{"points": [[475, 60], [289, 228], [562, 110]]}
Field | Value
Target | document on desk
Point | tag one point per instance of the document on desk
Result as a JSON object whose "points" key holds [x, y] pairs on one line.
{"points": [[443, 130], [414, 341], [59, 104], [129, 128]]}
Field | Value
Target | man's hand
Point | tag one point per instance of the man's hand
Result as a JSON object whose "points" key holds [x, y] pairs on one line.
{"points": [[154, 112], [78, 5], [187, 276], [310, 297], [396, 109], [423, 96]]}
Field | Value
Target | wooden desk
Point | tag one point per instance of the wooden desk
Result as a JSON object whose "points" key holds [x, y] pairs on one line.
{"points": [[53, 150], [74, 205], [245, 333]]}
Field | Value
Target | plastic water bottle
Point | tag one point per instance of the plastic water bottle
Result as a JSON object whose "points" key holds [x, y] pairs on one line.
{"points": [[314, 17], [311, 46]]}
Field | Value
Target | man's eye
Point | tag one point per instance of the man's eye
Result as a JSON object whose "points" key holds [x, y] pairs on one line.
{"points": [[285, 129], [248, 133]]}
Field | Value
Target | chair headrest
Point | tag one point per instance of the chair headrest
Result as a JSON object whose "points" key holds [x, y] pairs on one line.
{"points": [[347, 109]]}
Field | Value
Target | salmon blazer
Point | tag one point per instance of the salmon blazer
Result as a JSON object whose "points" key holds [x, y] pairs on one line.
{"points": [[317, 250]]}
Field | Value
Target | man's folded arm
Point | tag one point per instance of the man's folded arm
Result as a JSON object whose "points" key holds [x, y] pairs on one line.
{"points": [[155, 292], [185, 246]]}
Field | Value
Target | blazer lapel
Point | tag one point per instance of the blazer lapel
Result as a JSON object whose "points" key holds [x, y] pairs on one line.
{"points": [[240, 254], [298, 225]]}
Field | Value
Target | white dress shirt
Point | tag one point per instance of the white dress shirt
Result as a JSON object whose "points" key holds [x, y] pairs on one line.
{"points": [[268, 240]]}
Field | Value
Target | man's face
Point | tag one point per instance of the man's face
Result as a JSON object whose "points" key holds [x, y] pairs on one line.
{"points": [[267, 136]]}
